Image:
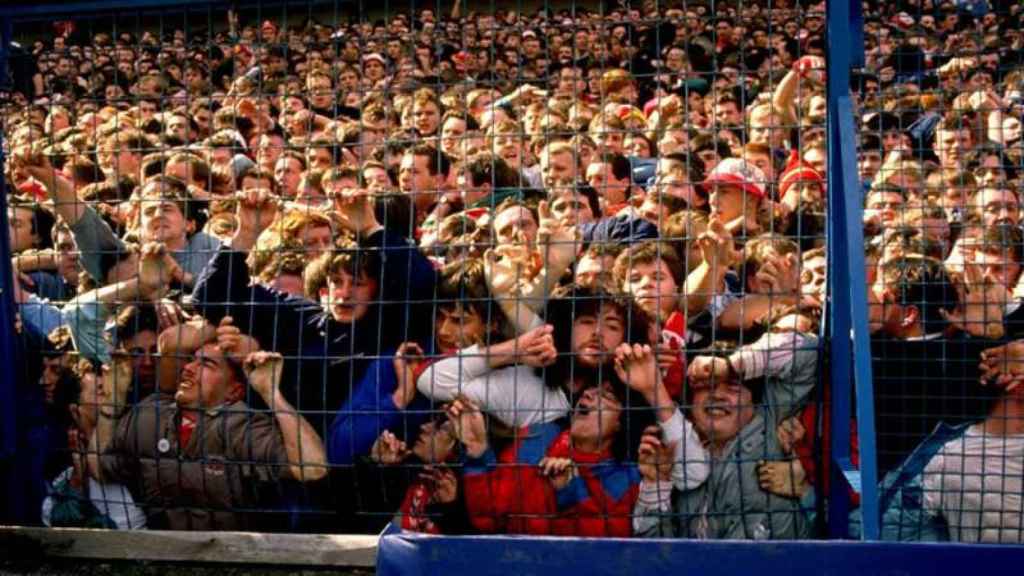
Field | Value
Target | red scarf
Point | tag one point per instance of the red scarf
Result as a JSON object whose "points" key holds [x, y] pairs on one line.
{"points": [[185, 429]]}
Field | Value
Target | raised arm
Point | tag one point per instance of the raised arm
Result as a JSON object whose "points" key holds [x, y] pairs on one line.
{"points": [[655, 460], [61, 190], [385, 399], [782, 277], [92, 234], [786, 93], [307, 459], [637, 366], [708, 278], [105, 460], [503, 272], [469, 370]]}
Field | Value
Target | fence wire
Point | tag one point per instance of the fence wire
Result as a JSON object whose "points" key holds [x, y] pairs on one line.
{"points": [[519, 269]]}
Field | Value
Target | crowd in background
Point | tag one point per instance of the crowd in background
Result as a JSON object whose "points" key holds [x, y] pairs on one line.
{"points": [[550, 272]]}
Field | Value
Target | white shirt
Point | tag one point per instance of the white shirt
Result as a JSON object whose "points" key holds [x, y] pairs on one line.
{"points": [[975, 483], [111, 499], [515, 395]]}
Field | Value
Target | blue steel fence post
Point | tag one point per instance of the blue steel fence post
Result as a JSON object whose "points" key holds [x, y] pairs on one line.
{"points": [[848, 312], [8, 340]]}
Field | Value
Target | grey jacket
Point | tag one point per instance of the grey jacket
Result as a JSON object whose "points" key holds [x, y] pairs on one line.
{"points": [[730, 503]]}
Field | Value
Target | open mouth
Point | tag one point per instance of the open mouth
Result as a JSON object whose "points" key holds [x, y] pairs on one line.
{"points": [[717, 411]]}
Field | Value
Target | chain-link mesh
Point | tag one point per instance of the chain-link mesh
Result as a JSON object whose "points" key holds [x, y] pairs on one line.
{"points": [[528, 268], [939, 156]]}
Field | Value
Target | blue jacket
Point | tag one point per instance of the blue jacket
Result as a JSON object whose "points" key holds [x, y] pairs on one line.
{"points": [[369, 412], [622, 229], [324, 357]]}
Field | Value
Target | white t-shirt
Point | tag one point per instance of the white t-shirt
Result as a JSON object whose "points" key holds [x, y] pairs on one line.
{"points": [[975, 483], [515, 395], [111, 499]]}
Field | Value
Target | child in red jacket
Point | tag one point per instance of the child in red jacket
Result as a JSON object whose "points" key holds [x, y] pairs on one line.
{"points": [[554, 481]]}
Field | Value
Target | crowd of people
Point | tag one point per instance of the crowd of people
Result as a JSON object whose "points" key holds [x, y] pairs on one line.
{"points": [[541, 272]]}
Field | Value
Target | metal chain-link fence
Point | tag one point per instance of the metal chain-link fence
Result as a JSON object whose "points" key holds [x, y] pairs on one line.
{"points": [[515, 268]]}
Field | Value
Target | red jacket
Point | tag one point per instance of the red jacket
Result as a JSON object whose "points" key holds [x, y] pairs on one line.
{"points": [[505, 493]]}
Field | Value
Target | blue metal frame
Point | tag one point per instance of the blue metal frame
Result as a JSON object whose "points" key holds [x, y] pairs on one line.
{"points": [[8, 339], [85, 7], [848, 311], [408, 554]]}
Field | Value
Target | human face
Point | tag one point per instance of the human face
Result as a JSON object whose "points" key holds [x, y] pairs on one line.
{"points": [[515, 225], [595, 337], [270, 149], [991, 172], [815, 158], [998, 206], [813, 278], [67, 262], [207, 381], [122, 162], [451, 135], [414, 177], [594, 271], [113, 92], [729, 202], [142, 349], [321, 96], [869, 162], [288, 173], [571, 208], [557, 167], [435, 442], [937, 230], [316, 240], [162, 221], [673, 141], [653, 287], [458, 327], [951, 146], [637, 147], [86, 412], [21, 230], [178, 126], [727, 114], [720, 410], [596, 418], [886, 204], [999, 266], [147, 110], [426, 116], [600, 177], [764, 163], [377, 179], [319, 158], [509, 148], [570, 80], [609, 140], [347, 297], [53, 370], [373, 70], [203, 119]]}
